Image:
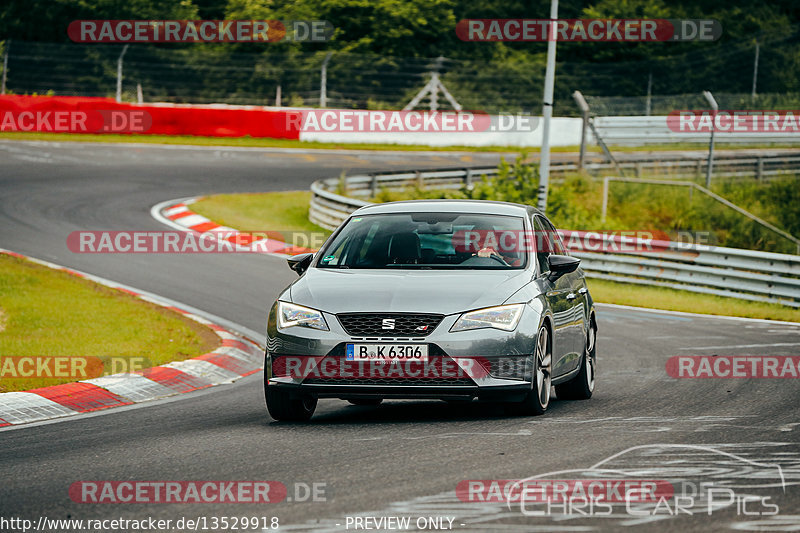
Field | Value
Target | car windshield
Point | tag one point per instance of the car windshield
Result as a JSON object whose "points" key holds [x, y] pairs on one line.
{"points": [[427, 240]]}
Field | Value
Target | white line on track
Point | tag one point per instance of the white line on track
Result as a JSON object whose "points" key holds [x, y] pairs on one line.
{"points": [[698, 315]]}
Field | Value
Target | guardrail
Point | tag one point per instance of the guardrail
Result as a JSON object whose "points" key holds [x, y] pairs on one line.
{"points": [[654, 129], [756, 167], [731, 272]]}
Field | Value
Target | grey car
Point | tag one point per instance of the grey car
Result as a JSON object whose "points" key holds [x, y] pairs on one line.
{"points": [[454, 300]]}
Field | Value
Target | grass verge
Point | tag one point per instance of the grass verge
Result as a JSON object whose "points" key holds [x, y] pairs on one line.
{"points": [[47, 313], [289, 211], [286, 212], [669, 299], [252, 142]]}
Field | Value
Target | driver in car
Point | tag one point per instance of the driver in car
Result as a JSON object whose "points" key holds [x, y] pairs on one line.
{"points": [[510, 257]]}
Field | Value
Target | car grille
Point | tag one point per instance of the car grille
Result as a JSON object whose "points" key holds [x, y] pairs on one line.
{"points": [[355, 374], [392, 382], [404, 324]]}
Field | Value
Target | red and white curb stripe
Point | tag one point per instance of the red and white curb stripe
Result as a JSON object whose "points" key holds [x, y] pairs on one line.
{"points": [[176, 213], [237, 356]]}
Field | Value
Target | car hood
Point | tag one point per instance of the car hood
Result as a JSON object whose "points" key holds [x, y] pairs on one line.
{"points": [[405, 291]]}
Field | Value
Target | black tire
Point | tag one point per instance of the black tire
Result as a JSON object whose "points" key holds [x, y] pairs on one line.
{"points": [[537, 400], [581, 386], [285, 408], [366, 401]]}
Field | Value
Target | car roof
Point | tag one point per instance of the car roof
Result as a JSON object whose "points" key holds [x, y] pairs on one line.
{"points": [[449, 206]]}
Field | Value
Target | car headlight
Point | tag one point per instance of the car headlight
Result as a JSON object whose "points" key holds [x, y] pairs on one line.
{"points": [[505, 317], [296, 315]]}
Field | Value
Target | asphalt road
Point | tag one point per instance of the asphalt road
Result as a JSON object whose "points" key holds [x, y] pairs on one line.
{"points": [[402, 458]]}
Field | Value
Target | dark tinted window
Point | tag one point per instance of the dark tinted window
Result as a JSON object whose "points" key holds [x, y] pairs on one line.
{"points": [[428, 240]]}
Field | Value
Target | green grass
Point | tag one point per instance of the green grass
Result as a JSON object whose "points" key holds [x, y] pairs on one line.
{"points": [[45, 312], [289, 210], [676, 300], [285, 212], [290, 143]]}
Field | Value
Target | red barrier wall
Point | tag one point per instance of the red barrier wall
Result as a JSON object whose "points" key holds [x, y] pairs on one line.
{"points": [[164, 119]]}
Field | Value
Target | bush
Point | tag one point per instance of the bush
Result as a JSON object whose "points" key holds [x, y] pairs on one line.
{"points": [[575, 202]]}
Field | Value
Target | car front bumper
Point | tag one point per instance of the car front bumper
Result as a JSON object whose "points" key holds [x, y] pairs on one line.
{"points": [[499, 364]]}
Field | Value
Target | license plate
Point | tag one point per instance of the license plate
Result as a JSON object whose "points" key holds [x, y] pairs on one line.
{"points": [[386, 352]]}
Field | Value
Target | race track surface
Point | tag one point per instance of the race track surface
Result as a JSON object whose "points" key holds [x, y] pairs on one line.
{"points": [[403, 458]]}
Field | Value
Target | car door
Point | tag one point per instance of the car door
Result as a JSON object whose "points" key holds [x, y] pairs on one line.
{"points": [[576, 296], [556, 293]]}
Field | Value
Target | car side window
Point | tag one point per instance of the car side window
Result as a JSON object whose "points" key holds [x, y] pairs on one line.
{"points": [[556, 246], [541, 245]]}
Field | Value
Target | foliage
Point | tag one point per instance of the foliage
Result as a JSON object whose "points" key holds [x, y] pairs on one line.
{"points": [[505, 76], [574, 202]]}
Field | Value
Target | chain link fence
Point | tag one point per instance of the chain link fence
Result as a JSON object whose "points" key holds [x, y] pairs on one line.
{"points": [[279, 76]]}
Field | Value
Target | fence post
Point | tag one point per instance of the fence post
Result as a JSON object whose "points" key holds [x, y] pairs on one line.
{"points": [[373, 186], [714, 107], [278, 96], [547, 110], [604, 210], [467, 178], [323, 81], [755, 73], [139, 95], [119, 72], [760, 169], [420, 182], [584, 107], [5, 66]]}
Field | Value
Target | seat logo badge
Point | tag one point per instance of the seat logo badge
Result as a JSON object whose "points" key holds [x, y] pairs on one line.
{"points": [[422, 328], [388, 323]]}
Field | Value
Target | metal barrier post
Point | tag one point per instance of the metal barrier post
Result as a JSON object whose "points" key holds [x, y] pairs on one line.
{"points": [[119, 73], [373, 186], [715, 108], [5, 66], [584, 107], [760, 169], [323, 82]]}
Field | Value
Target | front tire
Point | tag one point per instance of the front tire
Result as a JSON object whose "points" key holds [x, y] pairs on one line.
{"points": [[285, 408], [538, 398], [581, 386]]}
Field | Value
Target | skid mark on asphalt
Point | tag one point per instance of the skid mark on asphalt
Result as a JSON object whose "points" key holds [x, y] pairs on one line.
{"points": [[767, 471]]}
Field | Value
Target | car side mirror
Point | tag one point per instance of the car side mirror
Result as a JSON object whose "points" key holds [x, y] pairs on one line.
{"points": [[560, 265], [300, 262]]}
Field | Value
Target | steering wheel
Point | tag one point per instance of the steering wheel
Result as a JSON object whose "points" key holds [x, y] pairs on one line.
{"points": [[498, 257]]}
